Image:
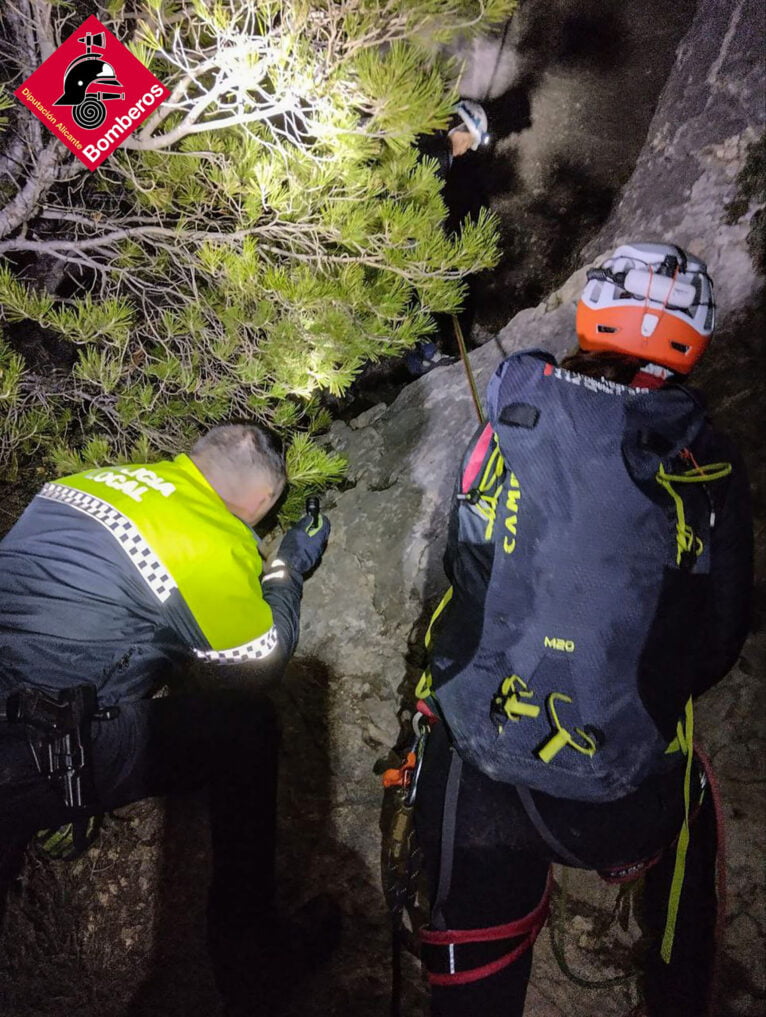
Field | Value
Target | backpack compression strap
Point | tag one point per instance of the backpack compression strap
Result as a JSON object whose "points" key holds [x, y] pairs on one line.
{"points": [[684, 742]]}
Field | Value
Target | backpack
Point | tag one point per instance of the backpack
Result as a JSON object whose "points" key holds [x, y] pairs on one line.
{"points": [[565, 650]]}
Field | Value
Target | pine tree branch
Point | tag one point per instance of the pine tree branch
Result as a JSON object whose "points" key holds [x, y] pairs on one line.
{"points": [[44, 174], [189, 125], [12, 162], [316, 254], [263, 234], [34, 39], [242, 56]]}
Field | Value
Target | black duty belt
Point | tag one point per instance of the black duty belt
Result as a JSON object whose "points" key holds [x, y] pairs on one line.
{"points": [[57, 723]]}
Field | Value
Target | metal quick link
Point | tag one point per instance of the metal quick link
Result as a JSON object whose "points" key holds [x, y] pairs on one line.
{"points": [[422, 728], [256, 649], [141, 555]]}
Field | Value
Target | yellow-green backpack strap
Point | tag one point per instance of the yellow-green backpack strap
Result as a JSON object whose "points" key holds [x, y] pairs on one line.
{"points": [[686, 744], [423, 688]]}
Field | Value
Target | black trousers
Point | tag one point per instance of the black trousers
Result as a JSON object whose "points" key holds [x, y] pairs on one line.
{"points": [[227, 740], [501, 864]]}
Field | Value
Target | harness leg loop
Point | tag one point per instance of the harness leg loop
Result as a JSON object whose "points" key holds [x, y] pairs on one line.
{"points": [[461, 956]]}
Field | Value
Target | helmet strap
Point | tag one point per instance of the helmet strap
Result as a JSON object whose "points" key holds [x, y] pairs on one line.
{"points": [[651, 376]]}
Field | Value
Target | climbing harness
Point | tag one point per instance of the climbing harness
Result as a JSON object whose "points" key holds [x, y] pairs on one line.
{"points": [[443, 948], [443, 953], [627, 876]]}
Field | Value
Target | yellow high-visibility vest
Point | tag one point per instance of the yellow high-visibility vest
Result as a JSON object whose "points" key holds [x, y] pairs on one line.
{"points": [[179, 535]]}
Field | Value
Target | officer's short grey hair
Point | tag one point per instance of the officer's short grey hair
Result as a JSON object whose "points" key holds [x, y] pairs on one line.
{"points": [[239, 451]]}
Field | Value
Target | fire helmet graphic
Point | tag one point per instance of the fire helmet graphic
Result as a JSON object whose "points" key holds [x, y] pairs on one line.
{"points": [[81, 114], [89, 70]]}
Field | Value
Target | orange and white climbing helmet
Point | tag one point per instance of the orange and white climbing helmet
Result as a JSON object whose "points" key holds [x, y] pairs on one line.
{"points": [[652, 301]]}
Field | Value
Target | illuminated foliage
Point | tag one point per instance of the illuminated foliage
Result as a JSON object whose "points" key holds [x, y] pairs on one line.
{"points": [[262, 235]]}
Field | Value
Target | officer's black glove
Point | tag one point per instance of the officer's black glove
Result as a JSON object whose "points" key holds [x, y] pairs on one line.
{"points": [[302, 546]]}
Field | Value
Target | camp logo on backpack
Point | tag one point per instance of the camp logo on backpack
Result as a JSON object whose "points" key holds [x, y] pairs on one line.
{"points": [[561, 658]]}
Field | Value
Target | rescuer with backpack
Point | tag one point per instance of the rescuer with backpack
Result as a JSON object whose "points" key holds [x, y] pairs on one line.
{"points": [[110, 582], [600, 560]]}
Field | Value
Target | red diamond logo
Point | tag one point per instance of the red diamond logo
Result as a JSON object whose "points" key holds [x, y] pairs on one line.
{"points": [[92, 93]]}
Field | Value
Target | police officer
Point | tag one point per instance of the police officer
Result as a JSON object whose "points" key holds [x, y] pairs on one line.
{"points": [[111, 582]]}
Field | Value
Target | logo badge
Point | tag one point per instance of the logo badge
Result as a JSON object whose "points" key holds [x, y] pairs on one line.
{"points": [[92, 93]]}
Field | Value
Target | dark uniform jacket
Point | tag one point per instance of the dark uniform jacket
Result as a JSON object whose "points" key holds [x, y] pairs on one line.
{"points": [[84, 597]]}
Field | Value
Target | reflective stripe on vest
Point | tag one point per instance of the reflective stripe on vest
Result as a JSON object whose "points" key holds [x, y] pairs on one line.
{"points": [[254, 650], [178, 534]]}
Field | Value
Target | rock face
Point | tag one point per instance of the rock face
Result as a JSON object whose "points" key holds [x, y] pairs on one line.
{"points": [[569, 100], [711, 110], [365, 612]]}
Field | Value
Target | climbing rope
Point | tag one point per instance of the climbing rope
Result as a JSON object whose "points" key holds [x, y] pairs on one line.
{"points": [[468, 371], [557, 924], [498, 58]]}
